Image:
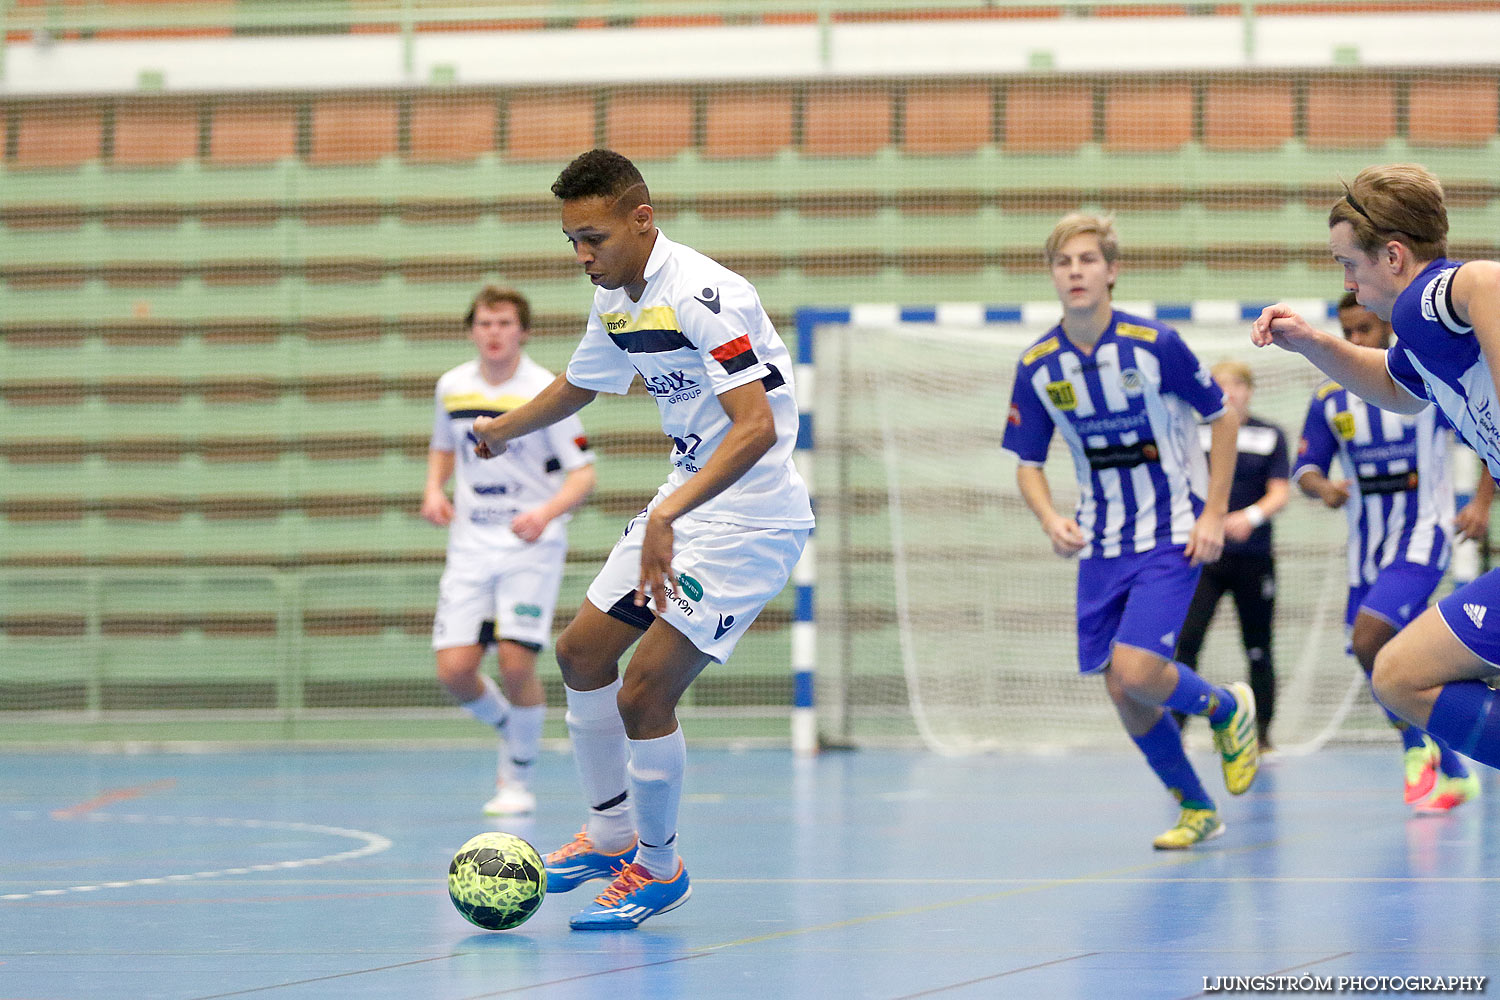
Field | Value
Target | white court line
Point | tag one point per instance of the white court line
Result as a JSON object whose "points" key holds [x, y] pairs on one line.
{"points": [[374, 843]]}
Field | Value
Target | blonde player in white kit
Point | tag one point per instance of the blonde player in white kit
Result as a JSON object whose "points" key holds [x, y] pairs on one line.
{"points": [[507, 537], [695, 567]]}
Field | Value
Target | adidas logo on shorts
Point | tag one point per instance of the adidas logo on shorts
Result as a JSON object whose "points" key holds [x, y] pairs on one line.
{"points": [[1476, 614]]}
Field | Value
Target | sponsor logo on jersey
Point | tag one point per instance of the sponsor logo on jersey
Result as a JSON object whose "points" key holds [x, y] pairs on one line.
{"points": [[709, 297], [1062, 395], [674, 386], [1327, 389], [1135, 332], [1343, 422], [1132, 382], [1014, 419], [527, 610], [1476, 614], [737, 355], [1040, 351], [691, 588], [726, 622]]}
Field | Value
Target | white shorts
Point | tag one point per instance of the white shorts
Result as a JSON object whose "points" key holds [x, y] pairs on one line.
{"points": [[508, 594], [725, 574]]}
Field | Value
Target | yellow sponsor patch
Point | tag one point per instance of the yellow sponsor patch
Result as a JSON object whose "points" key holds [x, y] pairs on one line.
{"points": [[1327, 389], [1135, 332], [1040, 351], [1062, 395], [478, 401], [650, 318], [1343, 422]]}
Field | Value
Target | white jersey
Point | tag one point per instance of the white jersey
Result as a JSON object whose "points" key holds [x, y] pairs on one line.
{"points": [[489, 492], [700, 330]]}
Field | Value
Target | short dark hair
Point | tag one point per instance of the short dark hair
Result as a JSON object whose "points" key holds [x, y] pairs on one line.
{"points": [[491, 296], [600, 172], [1349, 301]]}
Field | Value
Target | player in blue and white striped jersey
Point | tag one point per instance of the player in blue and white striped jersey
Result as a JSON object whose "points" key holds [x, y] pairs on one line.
{"points": [[1125, 393], [1390, 234], [1398, 498]]}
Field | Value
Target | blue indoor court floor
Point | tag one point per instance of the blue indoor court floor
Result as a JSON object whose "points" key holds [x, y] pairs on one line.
{"points": [[880, 874]]}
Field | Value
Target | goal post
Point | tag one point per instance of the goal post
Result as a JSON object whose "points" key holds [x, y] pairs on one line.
{"points": [[943, 614]]}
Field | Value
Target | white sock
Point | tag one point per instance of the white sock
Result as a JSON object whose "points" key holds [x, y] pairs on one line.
{"points": [[523, 741], [656, 771], [600, 752], [491, 706]]}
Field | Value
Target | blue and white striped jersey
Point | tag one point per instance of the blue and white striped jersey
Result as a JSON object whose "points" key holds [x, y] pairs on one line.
{"points": [[1128, 411], [1437, 357], [1400, 494]]}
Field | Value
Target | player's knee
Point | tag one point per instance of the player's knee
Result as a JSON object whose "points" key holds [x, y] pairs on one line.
{"points": [[1388, 679]]}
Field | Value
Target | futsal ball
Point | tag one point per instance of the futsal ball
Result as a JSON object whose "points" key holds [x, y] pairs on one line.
{"points": [[497, 881]]}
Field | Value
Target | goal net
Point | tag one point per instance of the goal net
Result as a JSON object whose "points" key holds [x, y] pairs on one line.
{"points": [[944, 613]]}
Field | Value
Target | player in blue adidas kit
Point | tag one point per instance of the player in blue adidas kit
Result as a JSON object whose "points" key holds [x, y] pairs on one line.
{"points": [[1398, 497], [1125, 394], [1389, 232]]}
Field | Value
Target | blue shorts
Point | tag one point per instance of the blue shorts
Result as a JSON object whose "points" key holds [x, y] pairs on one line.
{"points": [[1472, 612], [1398, 595], [1140, 600]]}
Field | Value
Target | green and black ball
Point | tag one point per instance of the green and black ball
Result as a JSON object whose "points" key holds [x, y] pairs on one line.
{"points": [[497, 881]]}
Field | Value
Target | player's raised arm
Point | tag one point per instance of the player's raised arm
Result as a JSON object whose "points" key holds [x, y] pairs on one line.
{"points": [[560, 399], [1361, 369]]}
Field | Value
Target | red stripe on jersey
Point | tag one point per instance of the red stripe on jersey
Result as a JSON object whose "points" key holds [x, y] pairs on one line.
{"points": [[582, 443], [733, 349]]}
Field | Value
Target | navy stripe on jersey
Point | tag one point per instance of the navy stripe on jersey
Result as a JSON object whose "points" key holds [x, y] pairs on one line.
{"points": [[651, 341], [470, 414]]}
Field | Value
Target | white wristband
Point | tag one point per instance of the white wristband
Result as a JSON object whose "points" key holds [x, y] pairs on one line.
{"points": [[1255, 516]]}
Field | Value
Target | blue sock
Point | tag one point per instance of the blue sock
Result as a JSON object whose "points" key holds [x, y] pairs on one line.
{"points": [[1195, 696], [1466, 717], [1450, 763], [1162, 745]]}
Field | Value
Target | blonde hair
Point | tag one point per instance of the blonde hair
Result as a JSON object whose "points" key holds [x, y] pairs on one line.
{"points": [[1233, 369], [1399, 201], [1083, 224]]}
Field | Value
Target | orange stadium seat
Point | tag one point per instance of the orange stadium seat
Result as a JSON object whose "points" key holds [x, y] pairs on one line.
{"points": [[1248, 115], [1142, 117], [452, 127], [1048, 116], [155, 133], [649, 124], [747, 122], [549, 126], [1455, 112], [58, 136], [948, 118], [1330, 125], [252, 132], [840, 120], [353, 129]]}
